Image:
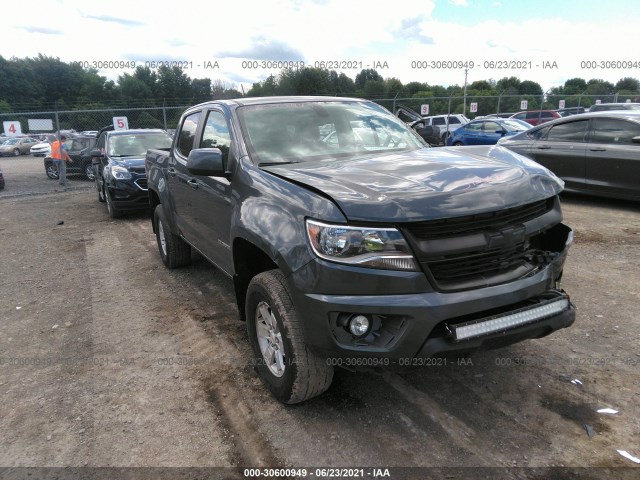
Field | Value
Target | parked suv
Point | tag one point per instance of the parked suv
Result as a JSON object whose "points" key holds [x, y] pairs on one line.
{"points": [[603, 107], [440, 122], [536, 117], [80, 152], [118, 162]]}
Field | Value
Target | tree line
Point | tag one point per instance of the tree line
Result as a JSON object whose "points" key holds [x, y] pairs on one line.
{"points": [[46, 83]]}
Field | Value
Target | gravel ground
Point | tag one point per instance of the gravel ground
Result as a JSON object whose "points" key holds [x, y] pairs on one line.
{"points": [[107, 359]]}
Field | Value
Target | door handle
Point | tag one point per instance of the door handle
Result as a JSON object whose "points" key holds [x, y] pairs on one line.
{"points": [[544, 147], [598, 149], [193, 183], [171, 171]]}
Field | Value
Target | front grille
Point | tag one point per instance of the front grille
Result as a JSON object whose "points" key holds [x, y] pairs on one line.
{"points": [[142, 183], [463, 266], [481, 250], [474, 223]]}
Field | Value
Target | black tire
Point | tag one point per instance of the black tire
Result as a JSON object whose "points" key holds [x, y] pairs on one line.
{"points": [[51, 170], [174, 251], [89, 172], [111, 208], [457, 144], [302, 374]]}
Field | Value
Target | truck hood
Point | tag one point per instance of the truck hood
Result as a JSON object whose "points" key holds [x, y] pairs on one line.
{"points": [[425, 184], [129, 162]]}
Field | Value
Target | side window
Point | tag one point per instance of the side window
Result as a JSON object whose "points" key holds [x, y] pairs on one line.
{"points": [[474, 127], [453, 120], [613, 131], [404, 117], [439, 121], [187, 134], [547, 115], [491, 127], [100, 144], [539, 134], [531, 115], [520, 116], [568, 132], [216, 134]]}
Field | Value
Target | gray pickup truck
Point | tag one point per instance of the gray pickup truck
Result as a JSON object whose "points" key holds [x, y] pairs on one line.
{"points": [[352, 243]]}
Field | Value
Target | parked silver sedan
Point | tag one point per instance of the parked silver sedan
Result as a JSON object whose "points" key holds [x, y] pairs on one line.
{"points": [[17, 146]]}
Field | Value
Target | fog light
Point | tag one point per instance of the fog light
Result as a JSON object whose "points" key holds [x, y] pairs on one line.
{"points": [[359, 325]]}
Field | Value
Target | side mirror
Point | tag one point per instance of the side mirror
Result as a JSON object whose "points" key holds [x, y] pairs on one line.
{"points": [[636, 139], [96, 153], [206, 162]]}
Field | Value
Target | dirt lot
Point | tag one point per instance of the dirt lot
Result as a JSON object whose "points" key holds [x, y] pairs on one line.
{"points": [[107, 359]]}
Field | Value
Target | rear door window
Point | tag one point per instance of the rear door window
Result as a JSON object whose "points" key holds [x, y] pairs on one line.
{"points": [[568, 132]]}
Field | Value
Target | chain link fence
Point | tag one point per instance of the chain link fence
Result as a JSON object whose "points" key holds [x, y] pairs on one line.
{"points": [[31, 123]]}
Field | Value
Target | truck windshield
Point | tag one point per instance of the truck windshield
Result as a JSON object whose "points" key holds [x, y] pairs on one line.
{"points": [[136, 145], [307, 131]]}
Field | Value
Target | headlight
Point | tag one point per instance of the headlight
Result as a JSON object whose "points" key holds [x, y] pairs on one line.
{"points": [[120, 173], [365, 247]]}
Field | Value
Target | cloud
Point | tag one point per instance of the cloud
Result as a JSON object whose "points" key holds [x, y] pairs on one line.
{"points": [[263, 49], [459, 3], [43, 30], [120, 21], [411, 30]]}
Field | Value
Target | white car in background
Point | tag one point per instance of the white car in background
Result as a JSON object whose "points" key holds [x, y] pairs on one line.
{"points": [[455, 121], [42, 149]]}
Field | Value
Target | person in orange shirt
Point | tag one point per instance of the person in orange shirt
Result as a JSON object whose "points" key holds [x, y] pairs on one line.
{"points": [[60, 157]]}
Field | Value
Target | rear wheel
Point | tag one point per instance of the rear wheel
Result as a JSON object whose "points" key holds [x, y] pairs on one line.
{"points": [[288, 368], [174, 251], [457, 144], [52, 171], [16, 152]]}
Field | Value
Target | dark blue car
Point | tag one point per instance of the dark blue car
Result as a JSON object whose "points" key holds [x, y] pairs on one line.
{"points": [[486, 131]]}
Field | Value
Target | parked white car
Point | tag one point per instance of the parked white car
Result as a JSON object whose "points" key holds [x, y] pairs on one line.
{"points": [[41, 149], [455, 121]]}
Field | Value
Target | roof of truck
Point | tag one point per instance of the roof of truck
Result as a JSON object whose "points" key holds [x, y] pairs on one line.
{"points": [[265, 100]]}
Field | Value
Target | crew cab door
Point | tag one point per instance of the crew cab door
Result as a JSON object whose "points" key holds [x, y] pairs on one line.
{"points": [[211, 196], [180, 191]]}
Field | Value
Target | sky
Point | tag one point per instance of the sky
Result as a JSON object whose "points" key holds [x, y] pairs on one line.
{"points": [[242, 42]]}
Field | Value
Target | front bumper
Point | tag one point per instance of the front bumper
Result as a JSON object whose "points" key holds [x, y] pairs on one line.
{"points": [[130, 194], [409, 318]]}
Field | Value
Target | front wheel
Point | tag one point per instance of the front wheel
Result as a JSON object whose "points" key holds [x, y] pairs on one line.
{"points": [[457, 144], [111, 208], [174, 251], [89, 173], [288, 368]]}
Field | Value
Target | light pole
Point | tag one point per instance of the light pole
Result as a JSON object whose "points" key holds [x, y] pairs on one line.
{"points": [[464, 94]]}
